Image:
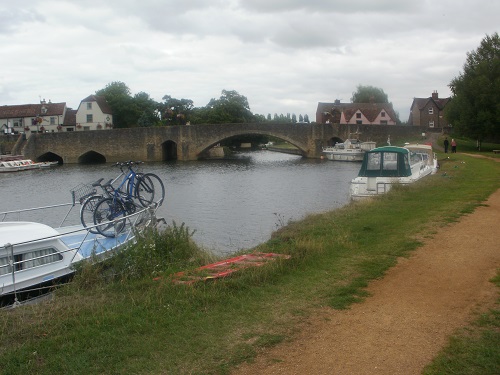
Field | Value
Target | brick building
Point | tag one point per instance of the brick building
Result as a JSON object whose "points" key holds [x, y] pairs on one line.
{"points": [[429, 112]]}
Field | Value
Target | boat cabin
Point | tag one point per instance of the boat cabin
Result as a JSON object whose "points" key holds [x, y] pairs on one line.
{"points": [[387, 161]]}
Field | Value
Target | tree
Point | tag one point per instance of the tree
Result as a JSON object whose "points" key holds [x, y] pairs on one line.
{"points": [[474, 109], [145, 109], [117, 95], [176, 111], [231, 107], [369, 94]]}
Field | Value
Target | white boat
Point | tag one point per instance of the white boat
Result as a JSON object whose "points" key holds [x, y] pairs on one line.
{"points": [[34, 254], [15, 165], [350, 150], [385, 166]]}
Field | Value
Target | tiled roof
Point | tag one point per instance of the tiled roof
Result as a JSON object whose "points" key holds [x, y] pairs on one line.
{"points": [[70, 118], [31, 110], [369, 110], [101, 102], [421, 103]]}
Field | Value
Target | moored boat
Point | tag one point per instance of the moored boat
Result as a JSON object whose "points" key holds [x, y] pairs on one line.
{"points": [[15, 165], [349, 150], [34, 254], [383, 167]]}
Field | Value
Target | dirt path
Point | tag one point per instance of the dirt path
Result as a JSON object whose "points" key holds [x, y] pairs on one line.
{"points": [[411, 313]]}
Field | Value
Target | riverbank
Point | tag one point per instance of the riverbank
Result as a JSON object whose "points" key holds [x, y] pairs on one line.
{"points": [[410, 313], [152, 326]]}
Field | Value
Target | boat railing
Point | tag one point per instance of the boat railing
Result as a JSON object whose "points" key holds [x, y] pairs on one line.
{"points": [[96, 245]]}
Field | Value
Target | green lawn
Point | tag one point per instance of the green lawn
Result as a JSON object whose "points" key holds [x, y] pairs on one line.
{"points": [[135, 321]]}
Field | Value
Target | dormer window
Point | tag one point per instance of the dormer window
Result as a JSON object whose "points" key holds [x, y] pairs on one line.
{"points": [[44, 109], [358, 115], [382, 114]]}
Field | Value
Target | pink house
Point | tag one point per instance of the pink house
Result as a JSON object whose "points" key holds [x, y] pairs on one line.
{"points": [[356, 113]]}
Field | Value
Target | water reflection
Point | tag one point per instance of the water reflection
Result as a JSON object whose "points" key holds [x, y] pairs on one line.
{"points": [[231, 204]]}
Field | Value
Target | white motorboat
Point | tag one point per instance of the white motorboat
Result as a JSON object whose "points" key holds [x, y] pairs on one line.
{"points": [[350, 150], [15, 165], [385, 166], [34, 254]]}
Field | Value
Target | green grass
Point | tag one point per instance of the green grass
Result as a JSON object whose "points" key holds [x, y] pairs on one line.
{"points": [[134, 320], [474, 349]]}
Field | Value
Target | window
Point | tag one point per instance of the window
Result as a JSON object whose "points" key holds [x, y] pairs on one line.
{"points": [[358, 115], [373, 161], [382, 114], [86, 128], [90, 118], [359, 122], [30, 259], [89, 105], [52, 121], [431, 124], [431, 110], [390, 161], [383, 122]]}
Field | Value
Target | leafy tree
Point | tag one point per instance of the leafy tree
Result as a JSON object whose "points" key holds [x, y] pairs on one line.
{"points": [[474, 109], [176, 111], [231, 107], [145, 109], [117, 95], [306, 118], [369, 94]]}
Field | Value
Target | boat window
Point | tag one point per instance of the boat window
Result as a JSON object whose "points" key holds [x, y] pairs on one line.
{"points": [[390, 161], [30, 259], [5, 268], [373, 163]]}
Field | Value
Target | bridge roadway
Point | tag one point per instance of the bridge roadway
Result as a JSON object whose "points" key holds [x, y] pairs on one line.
{"points": [[190, 142]]}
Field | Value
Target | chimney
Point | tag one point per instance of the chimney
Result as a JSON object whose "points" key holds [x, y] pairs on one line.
{"points": [[435, 95]]}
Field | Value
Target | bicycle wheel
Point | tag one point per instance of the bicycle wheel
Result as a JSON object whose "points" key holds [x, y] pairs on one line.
{"points": [[87, 212], [109, 216], [150, 190]]}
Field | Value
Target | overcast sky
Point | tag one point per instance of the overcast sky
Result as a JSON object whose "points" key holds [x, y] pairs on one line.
{"points": [[285, 56]]}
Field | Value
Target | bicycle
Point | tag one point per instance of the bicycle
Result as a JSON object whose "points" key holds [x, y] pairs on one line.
{"points": [[89, 203], [110, 212]]}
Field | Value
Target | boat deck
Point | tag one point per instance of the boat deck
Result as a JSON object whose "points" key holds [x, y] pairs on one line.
{"points": [[89, 244]]}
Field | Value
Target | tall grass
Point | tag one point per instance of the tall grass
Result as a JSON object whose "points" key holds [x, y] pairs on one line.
{"points": [[135, 320]]}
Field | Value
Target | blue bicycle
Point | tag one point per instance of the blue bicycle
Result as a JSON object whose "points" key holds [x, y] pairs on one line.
{"points": [[111, 211]]}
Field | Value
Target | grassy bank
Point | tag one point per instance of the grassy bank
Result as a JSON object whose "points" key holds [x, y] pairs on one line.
{"points": [[138, 322]]}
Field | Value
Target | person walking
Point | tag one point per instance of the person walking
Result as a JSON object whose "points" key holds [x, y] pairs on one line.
{"points": [[446, 144], [453, 146]]}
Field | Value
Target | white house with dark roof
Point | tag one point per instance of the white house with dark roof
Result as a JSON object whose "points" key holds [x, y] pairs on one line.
{"points": [[27, 118], [93, 113]]}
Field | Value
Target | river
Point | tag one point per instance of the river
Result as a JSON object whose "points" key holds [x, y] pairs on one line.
{"points": [[231, 204]]}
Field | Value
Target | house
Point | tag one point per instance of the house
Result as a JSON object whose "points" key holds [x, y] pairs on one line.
{"points": [[356, 113], [93, 113], [429, 112], [27, 118]]}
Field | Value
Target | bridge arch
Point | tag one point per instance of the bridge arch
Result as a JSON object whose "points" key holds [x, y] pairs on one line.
{"points": [[209, 143], [169, 150], [49, 156], [91, 157]]}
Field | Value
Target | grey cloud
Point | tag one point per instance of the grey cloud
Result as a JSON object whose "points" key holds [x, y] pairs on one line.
{"points": [[11, 19]]}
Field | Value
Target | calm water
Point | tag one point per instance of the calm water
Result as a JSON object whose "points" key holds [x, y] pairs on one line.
{"points": [[231, 204]]}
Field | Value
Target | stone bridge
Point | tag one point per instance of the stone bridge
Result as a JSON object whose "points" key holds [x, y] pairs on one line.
{"points": [[190, 142]]}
